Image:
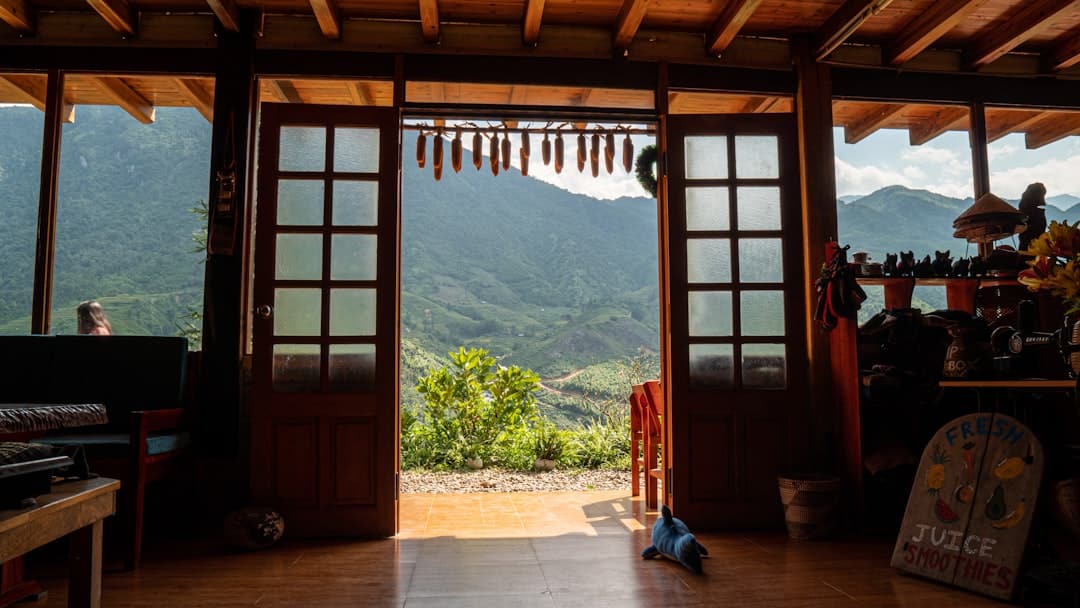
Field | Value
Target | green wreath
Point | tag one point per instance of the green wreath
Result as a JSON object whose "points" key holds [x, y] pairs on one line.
{"points": [[643, 168]]}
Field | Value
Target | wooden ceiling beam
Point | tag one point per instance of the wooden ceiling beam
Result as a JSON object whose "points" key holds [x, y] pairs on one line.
{"points": [[946, 119], [756, 104], [360, 93], [1065, 55], [117, 13], [285, 91], [228, 13], [927, 28], [429, 20], [67, 113], [19, 14], [126, 97], [629, 20], [1015, 122], [530, 23], [197, 96], [843, 23], [727, 26], [877, 118], [1035, 16], [329, 18], [1053, 127], [518, 95], [19, 91]]}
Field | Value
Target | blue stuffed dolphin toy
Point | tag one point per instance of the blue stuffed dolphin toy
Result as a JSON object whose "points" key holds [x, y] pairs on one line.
{"points": [[672, 539]]}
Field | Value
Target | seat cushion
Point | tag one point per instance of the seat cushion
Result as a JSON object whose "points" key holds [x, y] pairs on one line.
{"points": [[116, 444]]}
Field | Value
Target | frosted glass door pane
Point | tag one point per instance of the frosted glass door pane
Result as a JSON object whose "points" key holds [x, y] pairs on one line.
{"points": [[708, 260], [710, 313], [706, 157], [297, 312], [302, 149], [352, 366], [298, 257], [352, 257], [356, 149], [762, 313], [759, 208], [712, 365], [296, 368], [756, 157], [352, 312], [707, 209], [356, 203], [764, 366], [300, 202], [760, 261]]}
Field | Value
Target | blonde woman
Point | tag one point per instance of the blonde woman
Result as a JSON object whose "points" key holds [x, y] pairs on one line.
{"points": [[92, 319]]}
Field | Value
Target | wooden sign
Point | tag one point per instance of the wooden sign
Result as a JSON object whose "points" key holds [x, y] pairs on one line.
{"points": [[970, 509]]}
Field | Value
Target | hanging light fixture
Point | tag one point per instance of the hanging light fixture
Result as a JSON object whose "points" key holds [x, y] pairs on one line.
{"points": [[582, 152], [559, 148], [437, 154], [477, 150], [455, 151], [628, 153], [545, 149], [421, 149]]}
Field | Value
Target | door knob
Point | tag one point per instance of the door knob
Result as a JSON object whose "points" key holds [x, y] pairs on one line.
{"points": [[264, 312]]}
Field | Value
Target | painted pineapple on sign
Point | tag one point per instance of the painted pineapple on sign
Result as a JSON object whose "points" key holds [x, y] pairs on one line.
{"points": [[969, 525]]}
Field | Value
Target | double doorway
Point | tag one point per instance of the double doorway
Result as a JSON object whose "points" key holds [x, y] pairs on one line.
{"points": [[326, 300]]}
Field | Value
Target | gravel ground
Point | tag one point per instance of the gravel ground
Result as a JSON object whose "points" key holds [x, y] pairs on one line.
{"points": [[495, 480]]}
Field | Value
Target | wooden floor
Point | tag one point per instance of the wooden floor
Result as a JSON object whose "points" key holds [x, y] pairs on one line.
{"points": [[520, 551]]}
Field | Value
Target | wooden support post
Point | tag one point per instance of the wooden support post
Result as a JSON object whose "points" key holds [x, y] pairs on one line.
{"points": [[664, 252], [41, 307], [980, 160], [817, 176]]}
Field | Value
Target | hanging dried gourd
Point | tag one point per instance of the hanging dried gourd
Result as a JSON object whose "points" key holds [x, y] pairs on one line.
{"points": [[545, 150], [524, 158], [559, 148], [493, 153], [437, 155], [477, 150], [455, 152], [506, 151], [628, 154], [582, 152], [421, 149], [609, 152], [594, 155]]}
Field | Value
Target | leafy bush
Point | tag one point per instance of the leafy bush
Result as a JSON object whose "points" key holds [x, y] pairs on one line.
{"points": [[549, 443]]}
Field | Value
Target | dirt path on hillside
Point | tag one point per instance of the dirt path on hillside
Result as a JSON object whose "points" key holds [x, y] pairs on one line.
{"points": [[569, 376]]}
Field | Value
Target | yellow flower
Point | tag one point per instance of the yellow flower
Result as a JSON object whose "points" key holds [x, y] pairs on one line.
{"points": [[1055, 265]]}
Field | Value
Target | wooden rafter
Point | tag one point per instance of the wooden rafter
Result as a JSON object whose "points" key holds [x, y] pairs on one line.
{"points": [[326, 13], [530, 23], [228, 13], [629, 20], [1015, 122], [927, 28], [19, 14], [429, 20], [1065, 55], [589, 97], [756, 104], [285, 91], [197, 96], [360, 93], [675, 102], [117, 13], [67, 113], [21, 91], [724, 29], [946, 119], [518, 96], [126, 97], [871, 121], [843, 23], [1035, 16], [1053, 127]]}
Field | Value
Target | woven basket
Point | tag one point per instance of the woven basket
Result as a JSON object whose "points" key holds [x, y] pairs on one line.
{"points": [[1067, 505], [811, 505]]}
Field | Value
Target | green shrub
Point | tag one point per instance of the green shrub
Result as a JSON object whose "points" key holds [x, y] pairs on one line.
{"points": [[549, 443]]}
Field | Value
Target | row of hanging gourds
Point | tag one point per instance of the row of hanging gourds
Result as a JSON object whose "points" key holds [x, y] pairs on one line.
{"points": [[499, 151]]}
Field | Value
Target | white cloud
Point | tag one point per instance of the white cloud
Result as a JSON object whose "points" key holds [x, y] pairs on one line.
{"points": [[996, 151], [851, 179], [929, 154], [1059, 175]]}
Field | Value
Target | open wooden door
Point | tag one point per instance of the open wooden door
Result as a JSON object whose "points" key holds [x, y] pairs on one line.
{"points": [[738, 388], [324, 417]]}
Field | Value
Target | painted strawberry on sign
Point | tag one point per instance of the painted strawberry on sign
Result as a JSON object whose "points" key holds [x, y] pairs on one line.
{"points": [[935, 479]]}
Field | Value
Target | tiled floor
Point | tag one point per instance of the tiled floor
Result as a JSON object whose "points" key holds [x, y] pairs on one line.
{"points": [[519, 551]]}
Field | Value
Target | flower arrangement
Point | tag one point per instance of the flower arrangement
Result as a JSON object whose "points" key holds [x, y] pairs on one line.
{"points": [[1055, 266]]}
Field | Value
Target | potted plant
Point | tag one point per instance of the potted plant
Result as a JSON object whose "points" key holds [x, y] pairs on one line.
{"points": [[549, 446]]}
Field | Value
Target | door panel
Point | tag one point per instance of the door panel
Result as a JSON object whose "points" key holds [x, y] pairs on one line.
{"points": [[738, 361], [324, 408]]}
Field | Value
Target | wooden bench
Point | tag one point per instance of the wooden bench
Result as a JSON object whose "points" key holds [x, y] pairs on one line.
{"points": [[75, 509]]}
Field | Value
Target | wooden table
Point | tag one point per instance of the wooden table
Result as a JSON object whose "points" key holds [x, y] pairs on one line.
{"points": [[75, 508]]}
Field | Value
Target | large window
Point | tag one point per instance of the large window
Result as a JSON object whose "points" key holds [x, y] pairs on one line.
{"points": [[131, 214], [21, 121]]}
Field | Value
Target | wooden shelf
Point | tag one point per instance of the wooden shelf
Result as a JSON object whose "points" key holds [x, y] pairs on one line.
{"points": [[959, 291], [1028, 384], [938, 281]]}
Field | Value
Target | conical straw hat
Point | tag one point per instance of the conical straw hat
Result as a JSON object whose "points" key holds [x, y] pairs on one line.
{"points": [[988, 205]]}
